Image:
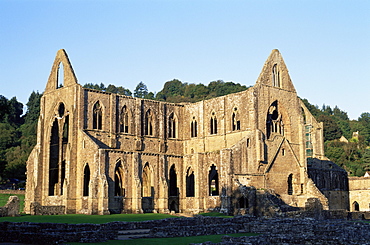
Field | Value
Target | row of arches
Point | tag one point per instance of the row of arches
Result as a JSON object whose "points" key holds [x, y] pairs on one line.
{"points": [[125, 125]]}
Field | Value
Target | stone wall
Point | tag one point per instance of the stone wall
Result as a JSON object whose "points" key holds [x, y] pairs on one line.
{"points": [[11, 208], [359, 193], [37, 209]]}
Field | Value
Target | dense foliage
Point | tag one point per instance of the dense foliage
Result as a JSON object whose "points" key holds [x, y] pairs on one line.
{"points": [[17, 134], [18, 130]]}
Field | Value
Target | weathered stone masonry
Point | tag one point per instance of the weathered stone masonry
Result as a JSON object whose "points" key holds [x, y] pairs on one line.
{"points": [[101, 153]]}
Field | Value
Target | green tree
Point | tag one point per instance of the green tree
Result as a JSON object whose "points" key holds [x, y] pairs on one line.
{"points": [[141, 90], [331, 128]]}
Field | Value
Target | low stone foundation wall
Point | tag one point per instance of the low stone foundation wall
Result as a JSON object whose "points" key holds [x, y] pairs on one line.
{"points": [[37, 209]]}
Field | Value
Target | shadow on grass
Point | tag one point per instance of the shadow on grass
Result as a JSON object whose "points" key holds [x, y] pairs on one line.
{"points": [[82, 218], [172, 240]]}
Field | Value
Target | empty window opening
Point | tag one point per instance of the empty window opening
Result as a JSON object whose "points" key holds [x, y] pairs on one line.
{"points": [[119, 189], [54, 159], [235, 120], [274, 123], [97, 116], [243, 202], [148, 127], [213, 181], [172, 126], [86, 180], [283, 152], [355, 206], [62, 176], [304, 116], [190, 183], [290, 184], [65, 130], [124, 121], [193, 128], [173, 190], [275, 76], [213, 124], [248, 142], [60, 76], [61, 110], [147, 181]]}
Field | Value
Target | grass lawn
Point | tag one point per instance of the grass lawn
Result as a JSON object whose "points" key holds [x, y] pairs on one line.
{"points": [[82, 218], [172, 240], [5, 197]]}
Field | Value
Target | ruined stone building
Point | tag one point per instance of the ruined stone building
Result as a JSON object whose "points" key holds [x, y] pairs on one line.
{"points": [[101, 153]]}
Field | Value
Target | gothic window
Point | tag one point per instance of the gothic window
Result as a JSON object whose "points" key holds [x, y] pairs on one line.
{"points": [[63, 176], [86, 180], [61, 110], [213, 123], [194, 128], [274, 123], [60, 76], [275, 76], [190, 183], [147, 181], [54, 158], [97, 116], [124, 121], [119, 189], [171, 126], [148, 127], [235, 121], [309, 148], [173, 182], [213, 181], [290, 184]]}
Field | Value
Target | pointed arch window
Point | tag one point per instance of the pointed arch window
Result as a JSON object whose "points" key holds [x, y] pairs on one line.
{"points": [[213, 123], [274, 123], [235, 121], [119, 189], [60, 76], [275, 76], [54, 158], [147, 181], [171, 126], [213, 181], [86, 180], [97, 116], [190, 190], [148, 127], [124, 120], [355, 206], [193, 128], [173, 182]]}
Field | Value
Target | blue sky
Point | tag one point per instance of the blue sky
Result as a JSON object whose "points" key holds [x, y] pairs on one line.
{"points": [[325, 44]]}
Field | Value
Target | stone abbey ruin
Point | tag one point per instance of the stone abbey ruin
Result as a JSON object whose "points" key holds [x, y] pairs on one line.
{"points": [[102, 153]]}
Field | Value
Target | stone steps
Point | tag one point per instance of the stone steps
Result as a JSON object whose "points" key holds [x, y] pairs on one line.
{"points": [[132, 234]]}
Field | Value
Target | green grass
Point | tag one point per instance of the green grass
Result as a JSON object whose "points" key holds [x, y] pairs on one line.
{"points": [[172, 240], [5, 197], [82, 218]]}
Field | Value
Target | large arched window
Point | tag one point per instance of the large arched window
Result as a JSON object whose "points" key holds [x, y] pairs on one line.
{"points": [[274, 123], [119, 189], [54, 158], [86, 180], [193, 128], [97, 116], [235, 121], [213, 123], [147, 181], [173, 182], [148, 127], [213, 181], [275, 76], [171, 126], [124, 120], [190, 190]]}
